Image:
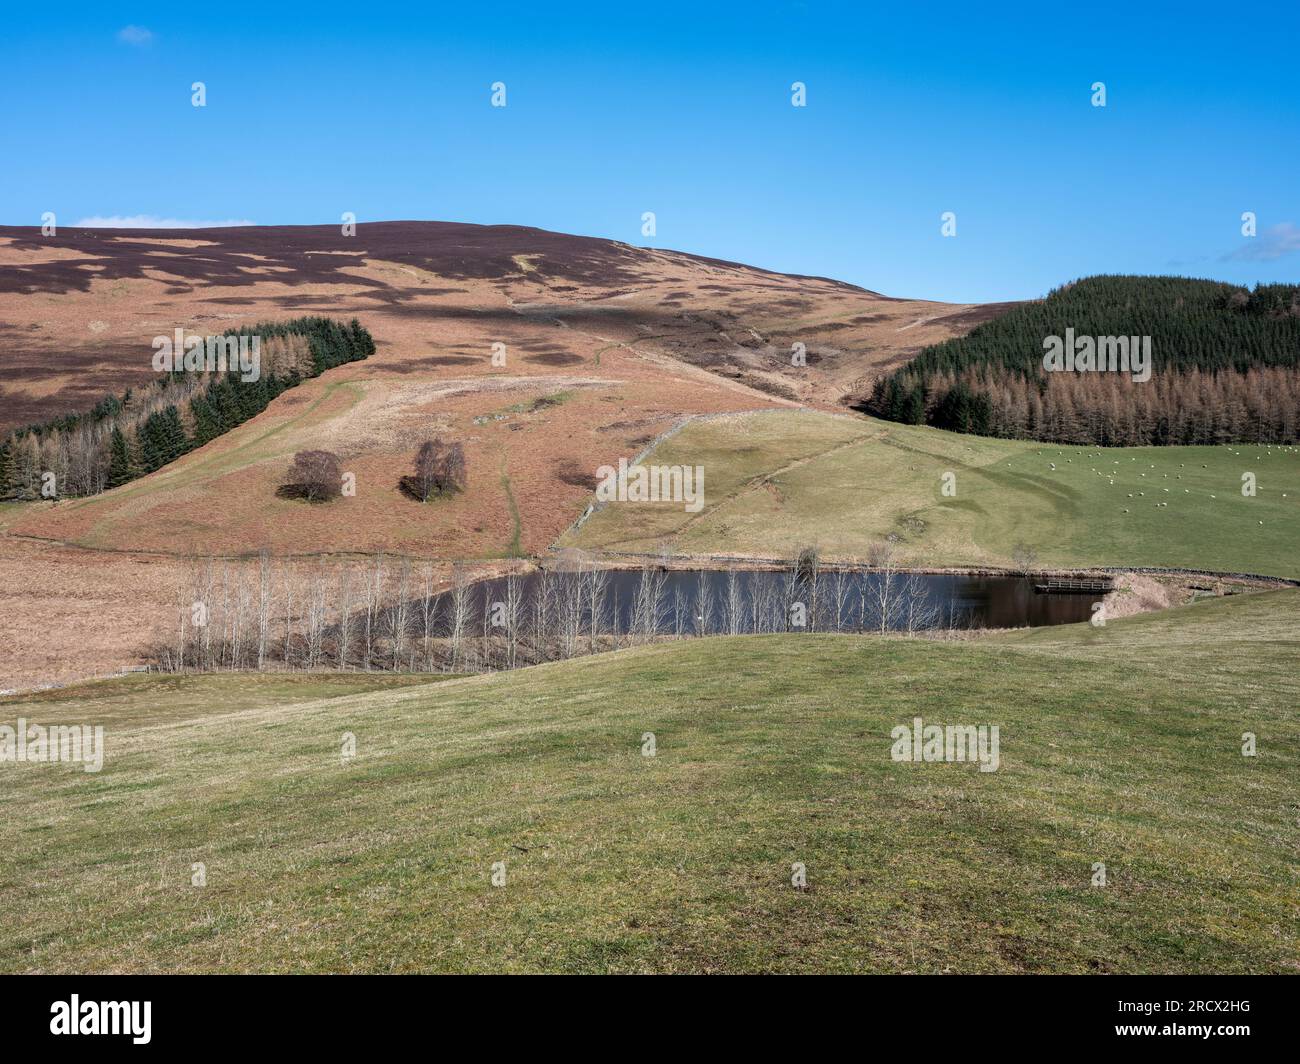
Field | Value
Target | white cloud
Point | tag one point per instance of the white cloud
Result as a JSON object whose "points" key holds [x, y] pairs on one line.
{"points": [[149, 221], [1273, 243], [136, 35]]}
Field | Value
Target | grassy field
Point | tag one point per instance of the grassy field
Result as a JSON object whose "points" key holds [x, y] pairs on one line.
{"points": [[776, 482], [1122, 746]]}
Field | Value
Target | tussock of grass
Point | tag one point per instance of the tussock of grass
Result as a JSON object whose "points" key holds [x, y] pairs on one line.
{"points": [[1120, 745]]}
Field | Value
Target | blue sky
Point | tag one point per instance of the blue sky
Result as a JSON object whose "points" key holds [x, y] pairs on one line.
{"points": [[684, 110]]}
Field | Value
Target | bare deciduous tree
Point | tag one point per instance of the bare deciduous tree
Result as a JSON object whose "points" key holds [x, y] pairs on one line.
{"points": [[373, 591], [647, 607], [1024, 557], [315, 476], [840, 587], [345, 618], [883, 588], [733, 618], [427, 607], [681, 610], [571, 599], [264, 588], [459, 620], [315, 609], [439, 470], [397, 617], [513, 603], [703, 603], [597, 588], [808, 569], [918, 609]]}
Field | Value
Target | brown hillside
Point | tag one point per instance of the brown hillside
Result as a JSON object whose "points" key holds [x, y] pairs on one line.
{"points": [[607, 346], [78, 310]]}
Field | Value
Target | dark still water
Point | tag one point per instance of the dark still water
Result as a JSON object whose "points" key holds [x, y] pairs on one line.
{"points": [[710, 602]]}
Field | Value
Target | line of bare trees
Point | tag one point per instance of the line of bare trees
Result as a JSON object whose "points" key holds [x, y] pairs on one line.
{"points": [[395, 614]]}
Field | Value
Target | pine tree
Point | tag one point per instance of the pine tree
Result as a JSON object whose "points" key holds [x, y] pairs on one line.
{"points": [[174, 441], [119, 460]]}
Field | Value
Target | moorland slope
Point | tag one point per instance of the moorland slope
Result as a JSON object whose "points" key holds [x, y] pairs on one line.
{"points": [[601, 346]]}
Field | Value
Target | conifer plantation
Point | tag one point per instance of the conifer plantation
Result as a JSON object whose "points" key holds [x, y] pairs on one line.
{"points": [[1225, 368], [125, 437]]}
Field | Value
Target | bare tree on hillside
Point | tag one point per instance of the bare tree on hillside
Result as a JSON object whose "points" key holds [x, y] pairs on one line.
{"points": [[286, 652], [315, 476], [772, 613], [546, 605], [648, 606], [439, 470], [790, 594], [486, 645]]}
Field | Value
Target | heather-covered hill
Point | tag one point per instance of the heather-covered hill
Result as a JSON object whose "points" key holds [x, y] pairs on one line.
{"points": [[80, 308], [544, 356]]}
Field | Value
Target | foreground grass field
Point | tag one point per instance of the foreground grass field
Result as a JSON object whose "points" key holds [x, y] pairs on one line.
{"points": [[1121, 746], [776, 482]]}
